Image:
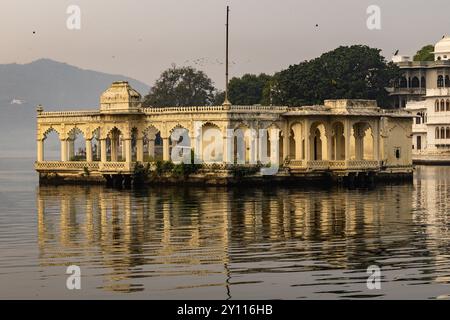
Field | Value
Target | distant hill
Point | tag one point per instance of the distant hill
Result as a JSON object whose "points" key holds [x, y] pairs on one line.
{"points": [[55, 85]]}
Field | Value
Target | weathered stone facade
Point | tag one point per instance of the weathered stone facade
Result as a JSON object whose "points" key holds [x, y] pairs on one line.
{"points": [[341, 136]]}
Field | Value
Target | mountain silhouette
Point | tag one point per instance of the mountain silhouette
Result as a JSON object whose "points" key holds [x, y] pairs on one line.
{"points": [[54, 85]]}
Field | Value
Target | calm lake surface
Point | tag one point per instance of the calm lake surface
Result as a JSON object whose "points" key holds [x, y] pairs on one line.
{"points": [[217, 243]]}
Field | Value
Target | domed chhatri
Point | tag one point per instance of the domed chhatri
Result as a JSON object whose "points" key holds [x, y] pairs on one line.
{"points": [[120, 98], [442, 49]]}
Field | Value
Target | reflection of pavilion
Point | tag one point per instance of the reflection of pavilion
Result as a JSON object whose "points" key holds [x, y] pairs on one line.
{"points": [[341, 136], [180, 233]]}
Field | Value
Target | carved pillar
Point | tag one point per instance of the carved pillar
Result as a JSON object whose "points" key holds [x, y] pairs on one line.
{"points": [[228, 147], [274, 148], [307, 136], [40, 150], [123, 153], [359, 144], [253, 140], [140, 150], [63, 150], [88, 150], [151, 148], [103, 150], [71, 145], [298, 147], [166, 149], [114, 146], [126, 145], [329, 139], [376, 141], [286, 144], [347, 133]]}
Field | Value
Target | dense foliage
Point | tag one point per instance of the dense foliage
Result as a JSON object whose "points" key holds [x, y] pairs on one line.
{"points": [[184, 86]]}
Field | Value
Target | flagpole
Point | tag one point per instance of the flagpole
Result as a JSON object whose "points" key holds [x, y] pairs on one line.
{"points": [[226, 102]]}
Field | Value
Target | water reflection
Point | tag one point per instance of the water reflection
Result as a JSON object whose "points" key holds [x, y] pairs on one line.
{"points": [[255, 243]]}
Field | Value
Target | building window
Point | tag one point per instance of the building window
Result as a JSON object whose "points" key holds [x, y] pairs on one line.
{"points": [[423, 82], [440, 81], [447, 81], [442, 133], [397, 153], [442, 105], [436, 106], [403, 82], [447, 133], [418, 118], [415, 82], [447, 105], [436, 134]]}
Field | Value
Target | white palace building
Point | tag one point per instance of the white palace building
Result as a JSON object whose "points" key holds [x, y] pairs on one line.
{"points": [[341, 138], [424, 89]]}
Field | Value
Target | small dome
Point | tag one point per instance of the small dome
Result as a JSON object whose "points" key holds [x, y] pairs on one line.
{"points": [[442, 49], [120, 97]]}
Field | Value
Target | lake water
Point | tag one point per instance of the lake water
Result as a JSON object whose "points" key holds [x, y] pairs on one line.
{"points": [[218, 243]]}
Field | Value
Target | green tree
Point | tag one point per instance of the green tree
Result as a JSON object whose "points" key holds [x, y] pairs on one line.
{"points": [[425, 54], [248, 90], [181, 86], [355, 72]]}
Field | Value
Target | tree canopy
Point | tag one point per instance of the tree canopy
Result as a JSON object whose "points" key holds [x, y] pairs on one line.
{"points": [[355, 72], [248, 90], [181, 86], [425, 54]]}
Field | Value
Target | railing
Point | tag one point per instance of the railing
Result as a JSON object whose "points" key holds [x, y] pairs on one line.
{"points": [[69, 113], [334, 164], [295, 163], [115, 166], [363, 164], [338, 164], [213, 108], [318, 164], [82, 165], [66, 165]]}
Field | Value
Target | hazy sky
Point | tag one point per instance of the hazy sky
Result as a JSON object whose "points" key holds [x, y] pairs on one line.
{"points": [[141, 38]]}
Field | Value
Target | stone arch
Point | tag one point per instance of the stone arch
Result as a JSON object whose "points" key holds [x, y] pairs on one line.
{"points": [[296, 141], [281, 138], [76, 144], [95, 144], [180, 144], [318, 141], [415, 83], [337, 141], [152, 143], [51, 145], [440, 81], [211, 143], [114, 145], [403, 83], [362, 141]]}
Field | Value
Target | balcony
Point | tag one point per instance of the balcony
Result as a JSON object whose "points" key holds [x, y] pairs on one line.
{"points": [[406, 91]]}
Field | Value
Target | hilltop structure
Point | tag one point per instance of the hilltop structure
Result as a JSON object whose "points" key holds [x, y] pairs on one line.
{"points": [[343, 139]]}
